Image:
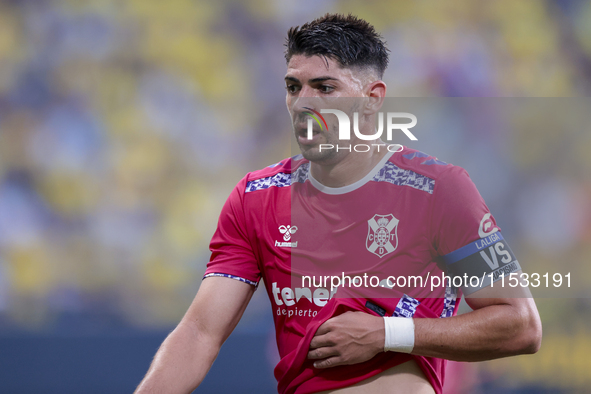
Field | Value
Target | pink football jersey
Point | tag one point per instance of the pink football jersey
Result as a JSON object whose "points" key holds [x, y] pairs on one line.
{"points": [[398, 222]]}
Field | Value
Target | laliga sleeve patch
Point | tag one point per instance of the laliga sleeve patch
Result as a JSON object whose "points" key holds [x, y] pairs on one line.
{"points": [[481, 263]]}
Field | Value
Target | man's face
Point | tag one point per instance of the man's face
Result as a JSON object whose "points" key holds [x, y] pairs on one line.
{"points": [[315, 82]]}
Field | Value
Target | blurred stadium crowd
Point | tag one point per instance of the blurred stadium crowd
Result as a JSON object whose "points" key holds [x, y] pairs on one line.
{"points": [[125, 124]]}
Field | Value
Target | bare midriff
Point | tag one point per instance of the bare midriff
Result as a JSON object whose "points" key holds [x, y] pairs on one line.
{"points": [[404, 378]]}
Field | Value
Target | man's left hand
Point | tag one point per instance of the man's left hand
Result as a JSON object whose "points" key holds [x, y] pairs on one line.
{"points": [[350, 338]]}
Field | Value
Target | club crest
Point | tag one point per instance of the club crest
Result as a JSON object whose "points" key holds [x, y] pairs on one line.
{"points": [[382, 236]]}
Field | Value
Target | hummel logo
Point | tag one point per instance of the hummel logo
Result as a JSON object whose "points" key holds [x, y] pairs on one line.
{"points": [[287, 231]]}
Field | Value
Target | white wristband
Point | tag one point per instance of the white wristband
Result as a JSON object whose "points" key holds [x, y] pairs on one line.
{"points": [[400, 334]]}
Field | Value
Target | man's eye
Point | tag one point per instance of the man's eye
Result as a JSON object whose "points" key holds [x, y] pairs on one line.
{"points": [[326, 88], [291, 88]]}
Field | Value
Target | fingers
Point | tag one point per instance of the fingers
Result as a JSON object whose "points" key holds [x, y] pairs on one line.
{"points": [[335, 322], [346, 339], [329, 363], [322, 341], [323, 348], [322, 353], [324, 328]]}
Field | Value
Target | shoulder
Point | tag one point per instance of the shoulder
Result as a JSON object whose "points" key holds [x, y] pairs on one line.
{"points": [[279, 174], [422, 163], [420, 170]]}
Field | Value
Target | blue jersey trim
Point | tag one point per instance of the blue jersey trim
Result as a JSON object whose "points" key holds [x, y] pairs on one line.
{"points": [[395, 175], [472, 248], [449, 302], [406, 307], [281, 179]]}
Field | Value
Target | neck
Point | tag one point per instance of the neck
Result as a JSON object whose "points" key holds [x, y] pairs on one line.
{"points": [[351, 168]]}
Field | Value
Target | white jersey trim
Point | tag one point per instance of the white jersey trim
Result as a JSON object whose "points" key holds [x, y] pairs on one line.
{"points": [[239, 278], [354, 186]]}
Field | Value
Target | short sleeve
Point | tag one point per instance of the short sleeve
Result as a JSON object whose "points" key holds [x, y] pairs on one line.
{"points": [[459, 214], [232, 254]]}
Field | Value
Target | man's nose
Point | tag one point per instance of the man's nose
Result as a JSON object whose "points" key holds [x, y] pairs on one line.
{"points": [[308, 91], [306, 99]]}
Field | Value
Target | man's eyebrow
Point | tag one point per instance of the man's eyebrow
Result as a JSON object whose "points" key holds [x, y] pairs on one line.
{"points": [[322, 79], [313, 80]]}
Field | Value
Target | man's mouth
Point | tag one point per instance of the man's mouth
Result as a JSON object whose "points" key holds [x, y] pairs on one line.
{"points": [[301, 132]]}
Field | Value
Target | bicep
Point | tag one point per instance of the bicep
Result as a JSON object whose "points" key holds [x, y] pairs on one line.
{"points": [[218, 307]]}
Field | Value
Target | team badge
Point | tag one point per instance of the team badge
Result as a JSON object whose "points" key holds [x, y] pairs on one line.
{"points": [[382, 237]]}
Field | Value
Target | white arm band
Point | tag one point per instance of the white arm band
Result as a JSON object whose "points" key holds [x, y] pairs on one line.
{"points": [[400, 334]]}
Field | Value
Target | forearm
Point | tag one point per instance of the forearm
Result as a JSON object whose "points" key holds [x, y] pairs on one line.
{"points": [[496, 328], [181, 363], [484, 334]]}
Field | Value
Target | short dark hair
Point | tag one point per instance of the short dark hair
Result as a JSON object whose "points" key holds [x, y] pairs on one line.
{"points": [[351, 41]]}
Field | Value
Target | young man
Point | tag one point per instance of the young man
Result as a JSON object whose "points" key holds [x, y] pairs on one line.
{"points": [[305, 216]]}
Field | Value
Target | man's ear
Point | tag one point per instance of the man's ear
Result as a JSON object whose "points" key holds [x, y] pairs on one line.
{"points": [[376, 91]]}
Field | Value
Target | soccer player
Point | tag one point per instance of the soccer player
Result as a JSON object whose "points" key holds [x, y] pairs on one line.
{"points": [[425, 219]]}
